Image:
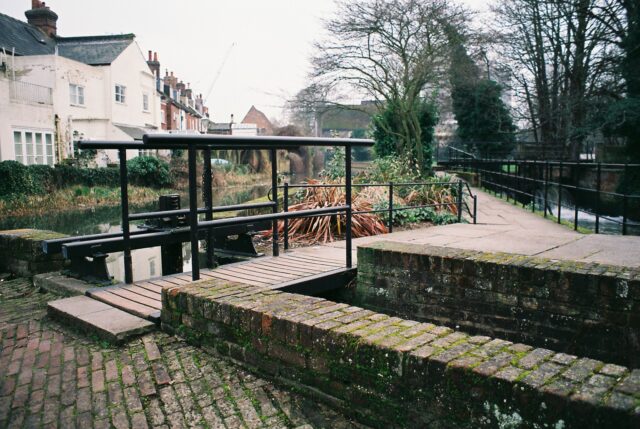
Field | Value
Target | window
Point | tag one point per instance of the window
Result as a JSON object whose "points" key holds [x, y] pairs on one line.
{"points": [[120, 93], [33, 147], [76, 94], [145, 102]]}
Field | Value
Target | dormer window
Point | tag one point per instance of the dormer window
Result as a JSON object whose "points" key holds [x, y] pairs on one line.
{"points": [[120, 93]]}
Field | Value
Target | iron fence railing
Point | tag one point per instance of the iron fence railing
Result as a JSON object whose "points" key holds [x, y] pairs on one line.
{"points": [[30, 93], [460, 187], [531, 182]]}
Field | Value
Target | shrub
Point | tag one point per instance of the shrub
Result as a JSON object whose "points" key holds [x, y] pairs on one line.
{"points": [[149, 171], [67, 175], [16, 179], [43, 178]]}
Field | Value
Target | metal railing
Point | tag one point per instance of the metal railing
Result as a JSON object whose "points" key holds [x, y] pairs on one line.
{"points": [[530, 182], [30, 93], [460, 188], [205, 144]]}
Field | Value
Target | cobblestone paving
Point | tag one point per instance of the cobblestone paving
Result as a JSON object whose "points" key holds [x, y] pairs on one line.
{"points": [[53, 377]]}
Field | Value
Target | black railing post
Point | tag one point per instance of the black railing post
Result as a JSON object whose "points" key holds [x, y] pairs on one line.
{"points": [[625, 198], [459, 202], [560, 192], [598, 186], [546, 187], [208, 203], [390, 207], [347, 180], [475, 209], [534, 173], [285, 207], [274, 186], [576, 178], [193, 214], [124, 202]]}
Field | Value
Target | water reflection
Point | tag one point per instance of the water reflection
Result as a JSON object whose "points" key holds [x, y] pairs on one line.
{"points": [[147, 262]]}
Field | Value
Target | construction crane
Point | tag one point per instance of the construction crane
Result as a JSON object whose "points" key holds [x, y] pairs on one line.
{"points": [[217, 76]]}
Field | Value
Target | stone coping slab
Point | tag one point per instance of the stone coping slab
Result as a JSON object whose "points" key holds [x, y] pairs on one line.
{"points": [[392, 372], [98, 318], [61, 284]]}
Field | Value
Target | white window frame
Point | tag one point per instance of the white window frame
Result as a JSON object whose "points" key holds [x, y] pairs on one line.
{"points": [[76, 94], [35, 147], [145, 102], [120, 93]]}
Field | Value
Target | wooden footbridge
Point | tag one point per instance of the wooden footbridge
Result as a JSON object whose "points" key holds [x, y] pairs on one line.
{"points": [[301, 272]]}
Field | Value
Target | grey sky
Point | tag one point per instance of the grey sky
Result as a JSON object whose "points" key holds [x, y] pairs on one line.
{"points": [[269, 62]]}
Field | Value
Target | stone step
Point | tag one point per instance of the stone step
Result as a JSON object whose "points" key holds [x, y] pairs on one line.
{"points": [[95, 317]]}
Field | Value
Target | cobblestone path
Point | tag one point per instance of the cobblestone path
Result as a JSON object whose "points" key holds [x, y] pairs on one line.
{"points": [[53, 377]]}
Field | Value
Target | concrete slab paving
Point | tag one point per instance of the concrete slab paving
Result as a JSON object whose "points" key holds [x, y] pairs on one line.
{"points": [[504, 227], [98, 318]]}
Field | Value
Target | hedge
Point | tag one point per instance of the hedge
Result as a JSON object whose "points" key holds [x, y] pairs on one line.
{"points": [[19, 179]]}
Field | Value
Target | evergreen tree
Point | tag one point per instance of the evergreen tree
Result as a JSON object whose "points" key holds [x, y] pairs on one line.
{"points": [[484, 122]]}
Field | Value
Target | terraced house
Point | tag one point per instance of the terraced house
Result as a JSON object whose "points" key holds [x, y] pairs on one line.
{"points": [[54, 90]]}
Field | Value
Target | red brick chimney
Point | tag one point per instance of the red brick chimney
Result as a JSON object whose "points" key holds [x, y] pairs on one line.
{"points": [[153, 64], [42, 17]]}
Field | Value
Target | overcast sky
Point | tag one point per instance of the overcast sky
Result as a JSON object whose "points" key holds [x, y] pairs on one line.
{"points": [[272, 41]]}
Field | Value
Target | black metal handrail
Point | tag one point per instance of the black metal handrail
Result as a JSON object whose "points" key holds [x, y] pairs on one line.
{"points": [[515, 181], [460, 201], [206, 143]]}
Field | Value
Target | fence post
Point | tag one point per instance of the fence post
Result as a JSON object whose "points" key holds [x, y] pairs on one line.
{"points": [[347, 180], [560, 192], [124, 203], [193, 215], [274, 186], [598, 186], [625, 193], [208, 203], [546, 187], [576, 174], [390, 207], [285, 206], [475, 209], [459, 202]]}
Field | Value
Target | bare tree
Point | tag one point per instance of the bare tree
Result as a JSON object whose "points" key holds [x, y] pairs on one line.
{"points": [[562, 54], [392, 51]]}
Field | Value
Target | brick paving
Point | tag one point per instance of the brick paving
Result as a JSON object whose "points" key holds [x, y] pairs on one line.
{"points": [[51, 376]]}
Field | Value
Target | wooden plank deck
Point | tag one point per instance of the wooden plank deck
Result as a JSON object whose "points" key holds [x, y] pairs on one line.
{"points": [[288, 271]]}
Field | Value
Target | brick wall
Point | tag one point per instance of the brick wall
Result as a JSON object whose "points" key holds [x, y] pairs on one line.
{"points": [[390, 372], [583, 308], [21, 252]]}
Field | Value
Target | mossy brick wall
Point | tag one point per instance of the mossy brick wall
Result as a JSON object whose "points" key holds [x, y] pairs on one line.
{"points": [[21, 252], [389, 372], [582, 308]]}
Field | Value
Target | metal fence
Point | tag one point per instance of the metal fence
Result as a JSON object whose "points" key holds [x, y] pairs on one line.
{"points": [[459, 187], [567, 191], [30, 93]]}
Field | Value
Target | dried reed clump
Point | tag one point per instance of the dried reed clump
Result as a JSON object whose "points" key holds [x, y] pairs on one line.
{"points": [[323, 229]]}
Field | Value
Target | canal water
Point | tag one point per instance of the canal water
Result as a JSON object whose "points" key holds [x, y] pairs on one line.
{"points": [[146, 262]]}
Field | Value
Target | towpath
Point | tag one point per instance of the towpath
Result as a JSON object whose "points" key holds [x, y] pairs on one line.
{"points": [[504, 227]]}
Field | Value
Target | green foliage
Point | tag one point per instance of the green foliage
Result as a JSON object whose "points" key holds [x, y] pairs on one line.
{"points": [[67, 175], [484, 122], [390, 169], [16, 179], [391, 137], [335, 165], [149, 171]]}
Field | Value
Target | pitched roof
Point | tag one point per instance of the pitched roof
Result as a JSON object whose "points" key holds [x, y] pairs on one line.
{"points": [[94, 50], [255, 116], [24, 38], [27, 39]]}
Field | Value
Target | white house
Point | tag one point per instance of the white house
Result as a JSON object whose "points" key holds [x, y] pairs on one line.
{"points": [[54, 90]]}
